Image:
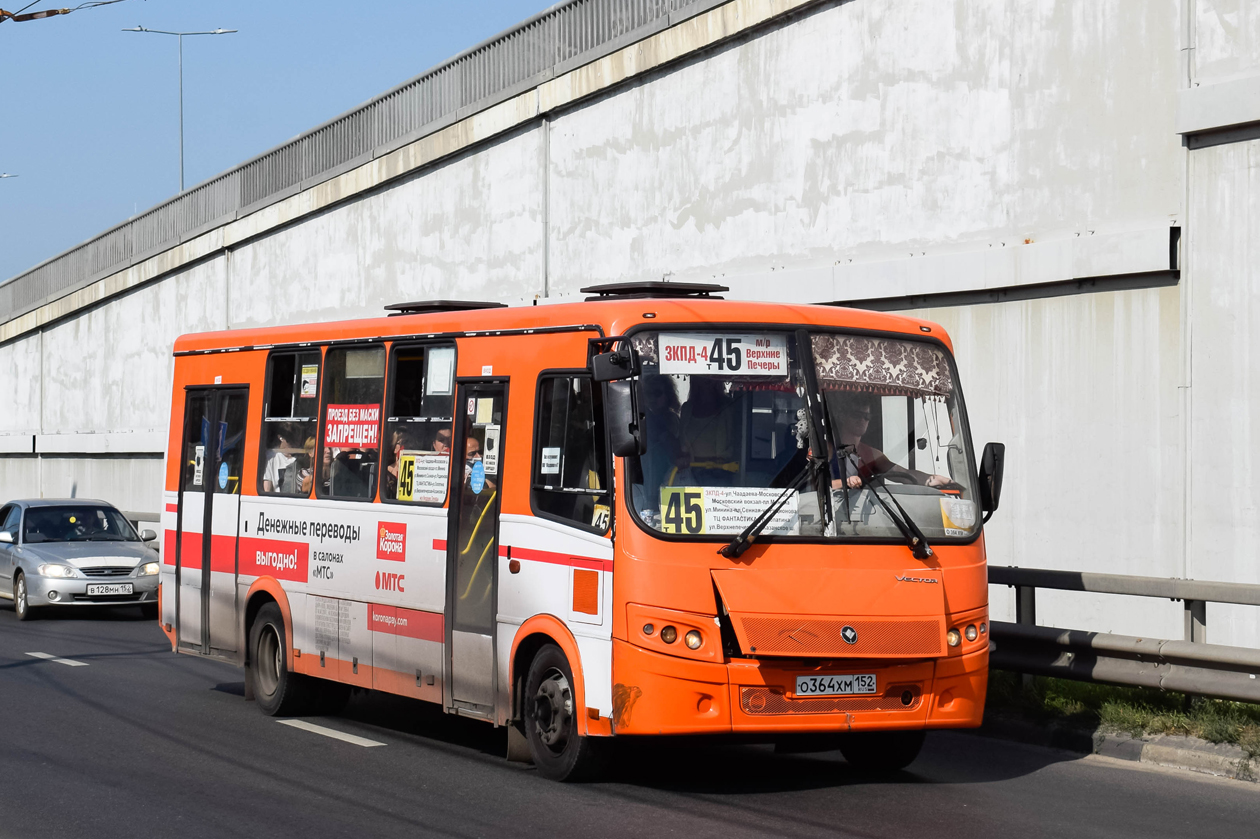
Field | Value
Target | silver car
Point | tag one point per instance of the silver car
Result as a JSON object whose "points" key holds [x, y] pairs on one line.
{"points": [[74, 552]]}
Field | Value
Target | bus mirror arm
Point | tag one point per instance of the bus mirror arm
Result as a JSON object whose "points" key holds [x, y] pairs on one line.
{"points": [[992, 465], [625, 420]]}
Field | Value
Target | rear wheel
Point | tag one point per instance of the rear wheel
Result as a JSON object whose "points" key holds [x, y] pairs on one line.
{"points": [[277, 691], [21, 605], [881, 751], [551, 722]]}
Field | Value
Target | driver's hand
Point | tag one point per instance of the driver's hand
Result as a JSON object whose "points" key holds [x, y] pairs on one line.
{"points": [[855, 482], [938, 481]]}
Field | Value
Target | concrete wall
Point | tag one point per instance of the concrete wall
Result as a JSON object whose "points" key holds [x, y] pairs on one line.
{"points": [[855, 150]]}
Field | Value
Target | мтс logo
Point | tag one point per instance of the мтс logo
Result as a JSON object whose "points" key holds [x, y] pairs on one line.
{"points": [[391, 541]]}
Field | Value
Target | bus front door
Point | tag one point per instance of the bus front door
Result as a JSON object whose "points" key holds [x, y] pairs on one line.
{"points": [[473, 547], [209, 504]]}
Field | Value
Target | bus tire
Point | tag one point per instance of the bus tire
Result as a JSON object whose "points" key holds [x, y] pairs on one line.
{"points": [[881, 751], [277, 691], [551, 717]]}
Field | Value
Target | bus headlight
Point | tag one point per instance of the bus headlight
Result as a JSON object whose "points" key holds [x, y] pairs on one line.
{"points": [[970, 632], [693, 640], [148, 569], [669, 635], [953, 638], [57, 571]]}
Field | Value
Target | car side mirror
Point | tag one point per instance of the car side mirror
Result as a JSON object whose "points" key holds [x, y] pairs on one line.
{"points": [[6, 537], [992, 464], [147, 536], [625, 421]]}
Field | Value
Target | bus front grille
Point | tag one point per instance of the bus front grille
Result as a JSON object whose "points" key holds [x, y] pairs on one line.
{"points": [[826, 637]]}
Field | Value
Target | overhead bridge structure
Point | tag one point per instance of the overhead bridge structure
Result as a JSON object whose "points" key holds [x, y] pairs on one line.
{"points": [[1069, 187]]}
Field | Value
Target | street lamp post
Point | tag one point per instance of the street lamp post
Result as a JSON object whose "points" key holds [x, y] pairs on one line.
{"points": [[180, 36]]}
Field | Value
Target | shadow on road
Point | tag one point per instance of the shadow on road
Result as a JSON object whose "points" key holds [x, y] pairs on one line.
{"points": [[708, 765]]}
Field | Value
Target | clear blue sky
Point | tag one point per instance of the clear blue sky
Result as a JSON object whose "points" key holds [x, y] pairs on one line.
{"points": [[89, 115]]}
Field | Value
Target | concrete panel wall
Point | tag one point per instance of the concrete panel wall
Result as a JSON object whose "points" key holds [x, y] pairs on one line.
{"points": [[1225, 371], [1227, 39], [470, 228], [1083, 390], [874, 129], [20, 385]]}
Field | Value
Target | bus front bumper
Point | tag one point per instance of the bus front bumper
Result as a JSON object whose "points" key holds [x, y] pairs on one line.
{"points": [[655, 693]]}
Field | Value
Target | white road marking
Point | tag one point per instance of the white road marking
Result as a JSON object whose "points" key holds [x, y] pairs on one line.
{"points": [[331, 732], [69, 662]]}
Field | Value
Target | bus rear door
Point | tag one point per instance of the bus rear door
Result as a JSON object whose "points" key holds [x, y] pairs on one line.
{"points": [[209, 504], [473, 546]]}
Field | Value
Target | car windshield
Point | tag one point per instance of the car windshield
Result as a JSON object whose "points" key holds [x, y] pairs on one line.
{"points": [[77, 523], [727, 432]]}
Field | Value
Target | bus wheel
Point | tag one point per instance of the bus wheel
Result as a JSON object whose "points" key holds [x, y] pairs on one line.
{"points": [[881, 751], [551, 721], [277, 691]]}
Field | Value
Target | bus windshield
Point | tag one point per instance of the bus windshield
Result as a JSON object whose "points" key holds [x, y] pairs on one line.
{"points": [[727, 433]]}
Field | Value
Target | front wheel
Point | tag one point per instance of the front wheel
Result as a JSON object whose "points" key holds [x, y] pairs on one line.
{"points": [[21, 605], [559, 752], [881, 751], [277, 691]]}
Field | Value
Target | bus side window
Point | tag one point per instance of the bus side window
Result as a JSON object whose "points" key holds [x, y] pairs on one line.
{"points": [[350, 427], [419, 421], [569, 480], [289, 424]]}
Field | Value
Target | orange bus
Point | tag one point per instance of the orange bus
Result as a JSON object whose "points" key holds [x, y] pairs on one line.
{"points": [[651, 512]]}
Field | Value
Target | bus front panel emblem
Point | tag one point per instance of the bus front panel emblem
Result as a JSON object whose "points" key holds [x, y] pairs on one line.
{"points": [[849, 634]]}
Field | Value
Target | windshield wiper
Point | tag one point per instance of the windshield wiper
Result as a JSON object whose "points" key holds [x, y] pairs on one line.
{"points": [[744, 540], [910, 531]]}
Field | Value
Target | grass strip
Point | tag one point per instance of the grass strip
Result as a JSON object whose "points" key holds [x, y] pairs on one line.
{"points": [[1127, 710]]}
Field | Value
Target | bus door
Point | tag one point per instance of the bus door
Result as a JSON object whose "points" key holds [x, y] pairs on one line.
{"points": [[209, 505], [473, 546]]}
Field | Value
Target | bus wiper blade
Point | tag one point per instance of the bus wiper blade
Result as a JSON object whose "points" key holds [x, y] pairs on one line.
{"points": [[744, 540], [910, 531]]}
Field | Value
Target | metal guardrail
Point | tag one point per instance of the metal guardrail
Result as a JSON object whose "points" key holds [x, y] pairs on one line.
{"points": [[1190, 666], [555, 41]]}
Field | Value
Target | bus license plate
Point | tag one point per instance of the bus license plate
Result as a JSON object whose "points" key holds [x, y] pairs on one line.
{"points": [[841, 685], [96, 589]]}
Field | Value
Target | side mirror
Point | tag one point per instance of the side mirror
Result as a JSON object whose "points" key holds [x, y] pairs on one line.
{"points": [[992, 464], [616, 364], [147, 535], [6, 537], [625, 422]]}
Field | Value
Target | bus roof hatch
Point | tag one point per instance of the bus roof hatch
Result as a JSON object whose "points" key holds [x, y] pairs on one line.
{"points": [[614, 291], [426, 307]]}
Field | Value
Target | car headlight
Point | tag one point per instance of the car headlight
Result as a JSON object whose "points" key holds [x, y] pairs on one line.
{"points": [[57, 571], [148, 569]]}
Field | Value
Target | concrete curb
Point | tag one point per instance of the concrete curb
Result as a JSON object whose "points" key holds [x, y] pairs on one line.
{"points": [[1172, 751]]}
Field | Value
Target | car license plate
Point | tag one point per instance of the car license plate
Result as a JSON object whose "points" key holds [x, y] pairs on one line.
{"points": [[835, 685], [96, 589]]}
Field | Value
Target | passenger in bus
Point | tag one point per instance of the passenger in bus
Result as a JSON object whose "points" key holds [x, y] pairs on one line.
{"points": [[401, 440], [281, 471], [306, 474], [856, 462], [665, 458], [442, 441]]}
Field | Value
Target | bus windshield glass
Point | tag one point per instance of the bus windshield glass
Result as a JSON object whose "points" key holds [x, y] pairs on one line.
{"points": [[728, 433]]}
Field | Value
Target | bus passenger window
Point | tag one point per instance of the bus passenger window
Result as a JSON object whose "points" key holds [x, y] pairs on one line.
{"points": [[290, 424], [570, 477], [418, 425], [350, 432]]}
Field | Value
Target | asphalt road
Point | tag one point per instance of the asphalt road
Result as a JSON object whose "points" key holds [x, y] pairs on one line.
{"points": [[141, 742]]}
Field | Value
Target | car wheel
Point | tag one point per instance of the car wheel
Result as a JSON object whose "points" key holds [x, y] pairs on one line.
{"points": [[881, 751], [21, 605], [559, 752], [277, 691]]}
